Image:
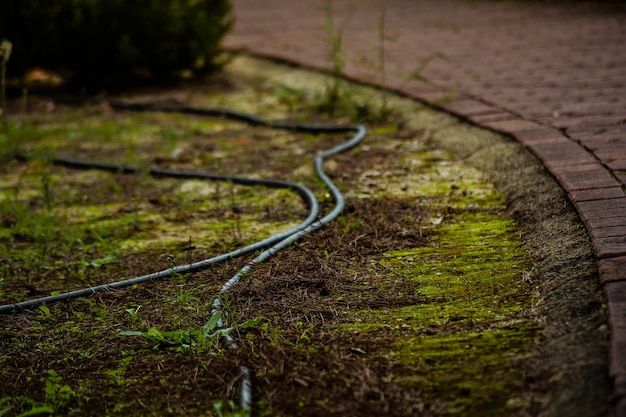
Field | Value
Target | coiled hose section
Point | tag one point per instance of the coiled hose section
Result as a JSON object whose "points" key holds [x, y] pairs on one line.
{"points": [[269, 246]]}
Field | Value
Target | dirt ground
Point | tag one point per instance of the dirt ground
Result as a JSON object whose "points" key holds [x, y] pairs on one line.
{"points": [[573, 355], [301, 364]]}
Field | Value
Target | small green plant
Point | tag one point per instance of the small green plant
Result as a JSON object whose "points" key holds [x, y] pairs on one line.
{"points": [[5, 53], [236, 224], [116, 376], [303, 343], [382, 37], [335, 92], [205, 338], [46, 191], [58, 395], [3, 401], [134, 314], [231, 411], [418, 73], [291, 97], [337, 98], [45, 312], [35, 411]]}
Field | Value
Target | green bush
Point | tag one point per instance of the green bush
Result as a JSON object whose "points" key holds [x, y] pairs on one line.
{"points": [[109, 43]]}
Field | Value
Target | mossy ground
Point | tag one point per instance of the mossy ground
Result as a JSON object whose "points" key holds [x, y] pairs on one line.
{"points": [[464, 341], [416, 300]]}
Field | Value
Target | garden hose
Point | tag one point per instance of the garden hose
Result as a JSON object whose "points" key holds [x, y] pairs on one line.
{"points": [[304, 192], [269, 246]]}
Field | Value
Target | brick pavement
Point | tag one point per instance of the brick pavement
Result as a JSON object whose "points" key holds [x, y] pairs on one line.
{"points": [[551, 74]]}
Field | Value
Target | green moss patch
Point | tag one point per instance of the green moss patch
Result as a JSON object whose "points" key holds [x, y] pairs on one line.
{"points": [[464, 342], [474, 373]]}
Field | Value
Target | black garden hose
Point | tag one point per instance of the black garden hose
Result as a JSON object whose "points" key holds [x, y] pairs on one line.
{"points": [[269, 246], [304, 192]]}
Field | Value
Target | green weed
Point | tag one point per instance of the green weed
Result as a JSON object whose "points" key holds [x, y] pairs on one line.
{"points": [[5, 53], [34, 411], [334, 93], [204, 339], [57, 398], [230, 409], [58, 395]]}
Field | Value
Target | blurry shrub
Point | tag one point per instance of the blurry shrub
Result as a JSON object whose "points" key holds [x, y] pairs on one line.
{"points": [[113, 43]]}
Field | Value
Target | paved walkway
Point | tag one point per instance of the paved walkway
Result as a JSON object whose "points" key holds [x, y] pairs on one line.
{"points": [[551, 74]]}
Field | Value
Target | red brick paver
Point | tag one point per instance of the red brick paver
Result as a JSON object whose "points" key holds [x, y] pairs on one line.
{"points": [[551, 74]]}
